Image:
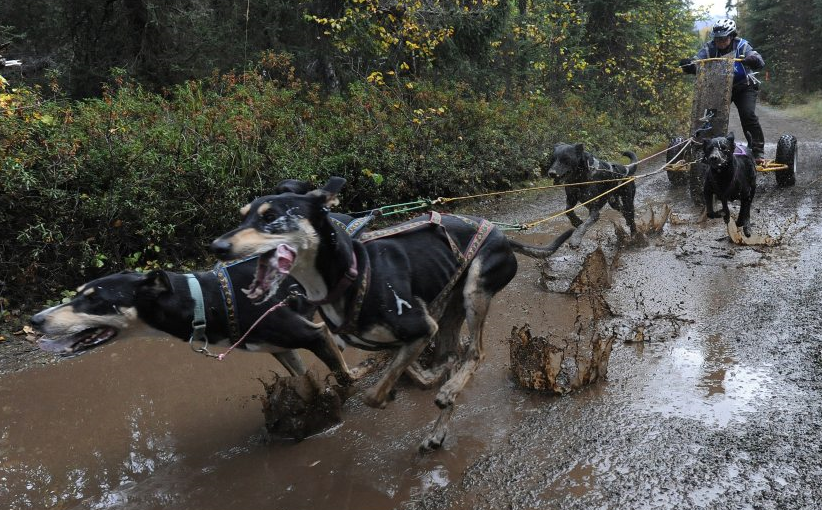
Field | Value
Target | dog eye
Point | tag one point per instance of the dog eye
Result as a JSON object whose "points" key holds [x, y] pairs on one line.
{"points": [[270, 216]]}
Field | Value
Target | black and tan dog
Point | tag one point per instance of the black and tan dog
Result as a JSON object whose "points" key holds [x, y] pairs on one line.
{"points": [[571, 164], [731, 175], [107, 306], [393, 289], [163, 300]]}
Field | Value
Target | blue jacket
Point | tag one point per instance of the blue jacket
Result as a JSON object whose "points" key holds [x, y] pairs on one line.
{"points": [[742, 49]]}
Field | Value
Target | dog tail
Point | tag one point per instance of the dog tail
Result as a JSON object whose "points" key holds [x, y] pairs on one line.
{"points": [[541, 252], [634, 160]]}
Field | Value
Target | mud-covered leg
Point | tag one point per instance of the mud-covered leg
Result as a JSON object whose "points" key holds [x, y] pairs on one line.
{"points": [[709, 204], [292, 362], [323, 346], [476, 308], [428, 378], [744, 219], [572, 215], [377, 395], [629, 213], [437, 436], [476, 303], [726, 212], [576, 238]]}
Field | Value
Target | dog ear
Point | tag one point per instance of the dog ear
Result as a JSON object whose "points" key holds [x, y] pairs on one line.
{"points": [[730, 138], [157, 282], [292, 186], [334, 185], [329, 192]]}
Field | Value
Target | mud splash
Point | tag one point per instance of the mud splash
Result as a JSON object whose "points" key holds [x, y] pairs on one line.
{"points": [[300, 406], [563, 363]]}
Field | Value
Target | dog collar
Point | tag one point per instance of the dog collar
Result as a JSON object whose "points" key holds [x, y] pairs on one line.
{"points": [[198, 324]]}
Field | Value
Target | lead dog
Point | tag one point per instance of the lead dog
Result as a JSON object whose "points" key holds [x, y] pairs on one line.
{"points": [[105, 307], [571, 164], [731, 175], [396, 288]]}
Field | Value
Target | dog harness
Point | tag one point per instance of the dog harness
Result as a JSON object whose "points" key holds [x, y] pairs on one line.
{"points": [[597, 165], [198, 324], [464, 258], [223, 272]]}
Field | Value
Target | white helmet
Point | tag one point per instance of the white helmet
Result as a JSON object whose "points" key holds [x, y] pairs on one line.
{"points": [[724, 28]]}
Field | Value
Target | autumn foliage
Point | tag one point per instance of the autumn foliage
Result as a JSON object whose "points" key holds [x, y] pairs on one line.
{"points": [[448, 99]]}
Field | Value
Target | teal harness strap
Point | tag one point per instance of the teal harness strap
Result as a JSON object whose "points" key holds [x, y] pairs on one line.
{"points": [[198, 325]]}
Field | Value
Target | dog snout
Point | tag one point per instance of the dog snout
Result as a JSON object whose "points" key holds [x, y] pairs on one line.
{"points": [[552, 174], [221, 247], [37, 320]]}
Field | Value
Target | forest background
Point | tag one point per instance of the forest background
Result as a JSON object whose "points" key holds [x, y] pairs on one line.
{"points": [[135, 129]]}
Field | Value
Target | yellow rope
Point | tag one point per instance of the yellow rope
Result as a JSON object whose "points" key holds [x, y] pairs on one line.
{"points": [[622, 180], [535, 223], [445, 200]]}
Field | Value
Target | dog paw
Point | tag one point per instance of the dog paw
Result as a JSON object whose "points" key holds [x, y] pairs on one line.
{"points": [[746, 231], [372, 399], [432, 442], [444, 399], [359, 371]]}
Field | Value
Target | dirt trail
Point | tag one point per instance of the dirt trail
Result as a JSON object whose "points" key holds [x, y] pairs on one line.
{"points": [[724, 412]]}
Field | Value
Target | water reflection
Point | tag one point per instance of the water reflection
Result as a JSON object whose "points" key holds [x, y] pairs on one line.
{"points": [[707, 383]]}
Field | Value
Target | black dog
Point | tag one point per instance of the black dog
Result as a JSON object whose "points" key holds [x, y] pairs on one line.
{"points": [[395, 288], [106, 306], [571, 164], [731, 175]]}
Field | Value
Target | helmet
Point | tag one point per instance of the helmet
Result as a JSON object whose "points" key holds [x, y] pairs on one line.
{"points": [[724, 28]]}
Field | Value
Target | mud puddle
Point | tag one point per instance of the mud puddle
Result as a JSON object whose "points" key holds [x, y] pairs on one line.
{"points": [[146, 423]]}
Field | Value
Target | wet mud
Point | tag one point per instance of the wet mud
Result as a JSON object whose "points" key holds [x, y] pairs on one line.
{"points": [[713, 394]]}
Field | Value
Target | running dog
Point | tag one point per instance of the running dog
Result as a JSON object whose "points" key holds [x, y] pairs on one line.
{"points": [[392, 289], [731, 175], [571, 164], [105, 307], [163, 300]]}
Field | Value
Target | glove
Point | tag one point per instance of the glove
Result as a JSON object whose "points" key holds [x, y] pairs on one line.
{"points": [[751, 61], [686, 62]]}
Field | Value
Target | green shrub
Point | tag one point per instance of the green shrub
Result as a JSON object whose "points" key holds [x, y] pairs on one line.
{"points": [[139, 179]]}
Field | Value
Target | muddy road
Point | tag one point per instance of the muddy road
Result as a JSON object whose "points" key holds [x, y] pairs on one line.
{"points": [[723, 410]]}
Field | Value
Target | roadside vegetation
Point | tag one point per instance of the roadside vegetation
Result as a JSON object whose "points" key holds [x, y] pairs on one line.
{"points": [[809, 107]]}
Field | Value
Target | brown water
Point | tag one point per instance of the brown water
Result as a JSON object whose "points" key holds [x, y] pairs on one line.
{"points": [[147, 423]]}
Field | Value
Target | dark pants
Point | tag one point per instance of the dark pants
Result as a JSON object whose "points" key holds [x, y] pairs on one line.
{"points": [[744, 97]]}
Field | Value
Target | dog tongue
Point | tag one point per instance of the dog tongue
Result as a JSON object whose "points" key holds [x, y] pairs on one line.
{"points": [[57, 345], [285, 258]]}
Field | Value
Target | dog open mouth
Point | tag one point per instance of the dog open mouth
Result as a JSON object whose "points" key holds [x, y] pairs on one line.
{"points": [[73, 345], [273, 266]]}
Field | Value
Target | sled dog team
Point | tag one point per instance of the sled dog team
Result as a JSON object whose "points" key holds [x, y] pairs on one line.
{"points": [[402, 288]]}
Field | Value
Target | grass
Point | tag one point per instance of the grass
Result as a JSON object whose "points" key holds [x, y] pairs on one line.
{"points": [[810, 108]]}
